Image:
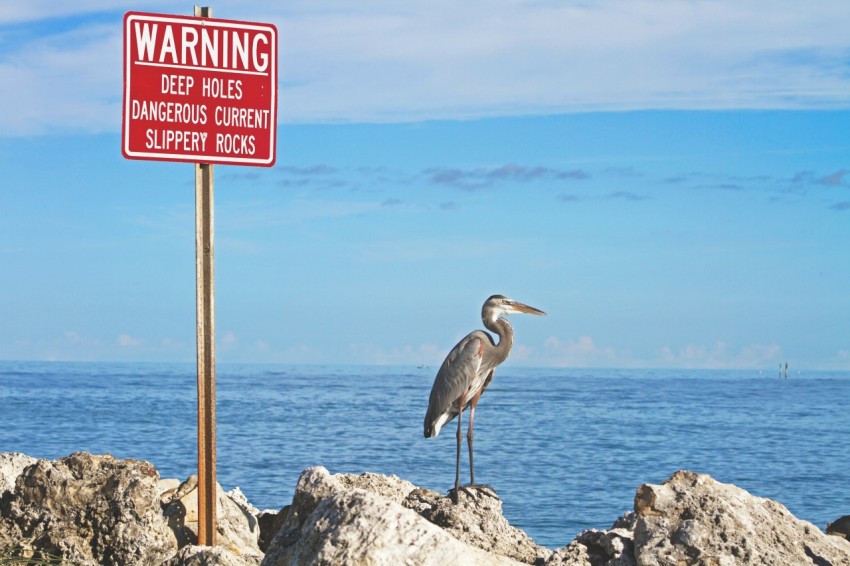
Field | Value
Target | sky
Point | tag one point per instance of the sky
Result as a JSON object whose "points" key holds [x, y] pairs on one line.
{"points": [[668, 180]]}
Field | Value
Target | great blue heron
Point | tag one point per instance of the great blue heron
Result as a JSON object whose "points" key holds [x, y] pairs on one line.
{"points": [[468, 370]]}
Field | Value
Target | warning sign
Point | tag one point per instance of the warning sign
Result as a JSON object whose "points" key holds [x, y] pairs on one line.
{"points": [[201, 90]]}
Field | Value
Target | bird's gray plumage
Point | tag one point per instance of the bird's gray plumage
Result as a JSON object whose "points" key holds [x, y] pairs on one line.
{"points": [[461, 368]]}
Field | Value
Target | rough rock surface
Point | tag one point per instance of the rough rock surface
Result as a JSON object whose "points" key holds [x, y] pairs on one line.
{"points": [[839, 527], [614, 547], [270, 524], [693, 519], [11, 466], [237, 528], [98, 510], [88, 510], [477, 520], [331, 522], [210, 556]]}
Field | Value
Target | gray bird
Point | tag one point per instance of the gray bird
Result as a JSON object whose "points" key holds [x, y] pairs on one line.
{"points": [[468, 370]]}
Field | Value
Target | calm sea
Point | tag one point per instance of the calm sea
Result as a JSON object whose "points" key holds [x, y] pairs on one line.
{"points": [[565, 449]]}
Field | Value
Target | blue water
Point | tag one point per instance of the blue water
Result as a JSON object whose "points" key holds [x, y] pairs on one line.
{"points": [[565, 449]]}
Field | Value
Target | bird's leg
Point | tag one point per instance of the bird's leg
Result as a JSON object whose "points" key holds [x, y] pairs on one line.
{"points": [[486, 489], [470, 435], [459, 437]]}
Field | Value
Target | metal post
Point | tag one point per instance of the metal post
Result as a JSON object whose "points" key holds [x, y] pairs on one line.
{"points": [[205, 278], [205, 299]]}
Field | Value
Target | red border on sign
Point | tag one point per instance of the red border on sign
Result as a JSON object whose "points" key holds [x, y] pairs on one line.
{"points": [[183, 105]]}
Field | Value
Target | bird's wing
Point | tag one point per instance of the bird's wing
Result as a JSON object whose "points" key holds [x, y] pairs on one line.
{"points": [[454, 378]]}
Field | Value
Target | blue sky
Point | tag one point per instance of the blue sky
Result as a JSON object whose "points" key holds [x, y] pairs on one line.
{"points": [[670, 181]]}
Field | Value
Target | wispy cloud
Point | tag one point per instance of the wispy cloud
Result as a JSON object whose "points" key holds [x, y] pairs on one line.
{"points": [[381, 61], [721, 355], [615, 195], [839, 178], [373, 354], [723, 187], [471, 179], [320, 169], [316, 177], [626, 195], [582, 352], [807, 179], [775, 186], [436, 249], [543, 57], [69, 81], [127, 341]]}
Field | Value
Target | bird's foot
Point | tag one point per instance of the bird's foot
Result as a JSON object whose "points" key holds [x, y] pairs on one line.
{"points": [[473, 490]]}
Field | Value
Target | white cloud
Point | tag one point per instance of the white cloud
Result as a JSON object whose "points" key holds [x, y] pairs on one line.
{"points": [[388, 61], [67, 82], [371, 354], [77, 340], [229, 339], [840, 361], [578, 353], [12, 11], [127, 341], [434, 60], [721, 355]]}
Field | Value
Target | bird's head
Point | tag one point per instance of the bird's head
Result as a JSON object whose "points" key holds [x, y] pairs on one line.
{"points": [[499, 305]]}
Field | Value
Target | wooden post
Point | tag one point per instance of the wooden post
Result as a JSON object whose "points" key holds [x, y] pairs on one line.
{"points": [[205, 278], [205, 298]]}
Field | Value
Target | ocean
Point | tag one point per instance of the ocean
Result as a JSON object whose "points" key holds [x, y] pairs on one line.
{"points": [[565, 449]]}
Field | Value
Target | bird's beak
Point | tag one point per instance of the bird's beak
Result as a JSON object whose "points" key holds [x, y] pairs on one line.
{"points": [[519, 307]]}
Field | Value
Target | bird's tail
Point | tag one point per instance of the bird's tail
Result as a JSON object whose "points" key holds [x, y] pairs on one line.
{"points": [[434, 424], [430, 429]]}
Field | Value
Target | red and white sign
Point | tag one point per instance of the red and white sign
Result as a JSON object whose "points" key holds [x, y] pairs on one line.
{"points": [[201, 90]]}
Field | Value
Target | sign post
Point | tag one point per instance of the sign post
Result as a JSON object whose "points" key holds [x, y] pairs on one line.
{"points": [[205, 299], [201, 90], [205, 296]]}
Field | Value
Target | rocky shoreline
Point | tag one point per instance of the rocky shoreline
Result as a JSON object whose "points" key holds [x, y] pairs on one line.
{"points": [[96, 509]]}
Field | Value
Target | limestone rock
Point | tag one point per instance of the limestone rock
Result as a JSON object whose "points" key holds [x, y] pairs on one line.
{"points": [[477, 519], [99, 510], [88, 510], [614, 547], [11, 466], [270, 524], [840, 527], [359, 527], [335, 519], [166, 489], [239, 499], [210, 556], [314, 485], [693, 519], [237, 528], [391, 487], [574, 554]]}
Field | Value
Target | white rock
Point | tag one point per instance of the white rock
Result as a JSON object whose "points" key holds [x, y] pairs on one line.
{"points": [[359, 527], [237, 528], [11, 466], [693, 519]]}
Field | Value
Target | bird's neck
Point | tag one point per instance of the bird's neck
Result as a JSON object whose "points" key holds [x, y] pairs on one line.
{"points": [[503, 329]]}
